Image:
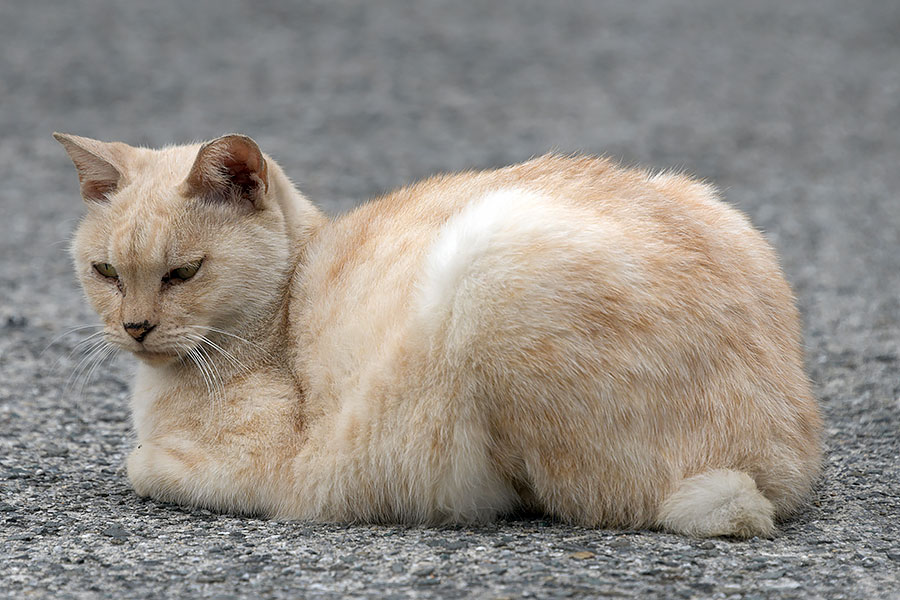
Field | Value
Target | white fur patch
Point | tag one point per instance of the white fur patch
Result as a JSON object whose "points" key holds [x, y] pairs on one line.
{"points": [[467, 237]]}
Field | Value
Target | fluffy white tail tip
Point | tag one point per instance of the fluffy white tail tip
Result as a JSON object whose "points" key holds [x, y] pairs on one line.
{"points": [[718, 503]]}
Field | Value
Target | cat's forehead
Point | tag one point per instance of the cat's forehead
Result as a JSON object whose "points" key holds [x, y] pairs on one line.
{"points": [[146, 221], [153, 179], [144, 229], [157, 170]]}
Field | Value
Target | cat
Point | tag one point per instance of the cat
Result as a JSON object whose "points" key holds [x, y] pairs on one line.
{"points": [[606, 346]]}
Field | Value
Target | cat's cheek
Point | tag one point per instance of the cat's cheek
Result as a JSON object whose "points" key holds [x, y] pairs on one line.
{"points": [[106, 304]]}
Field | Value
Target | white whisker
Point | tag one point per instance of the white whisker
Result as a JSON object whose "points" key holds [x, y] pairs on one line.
{"points": [[108, 351], [235, 336], [192, 354], [88, 341], [214, 370], [183, 350], [91, 354], [214, 386], [68, 332], [88, 352], [228, 355]]}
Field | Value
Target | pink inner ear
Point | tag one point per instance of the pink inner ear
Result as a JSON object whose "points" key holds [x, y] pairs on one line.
{"points": [[245, 166], [240, 160], [226, 165], [242, 155], [241, 174]]}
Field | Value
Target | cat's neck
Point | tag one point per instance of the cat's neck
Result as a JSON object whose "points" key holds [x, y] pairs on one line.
{"points": [[303, 219]]}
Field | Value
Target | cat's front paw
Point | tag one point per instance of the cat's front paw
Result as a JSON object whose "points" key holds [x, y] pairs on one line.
{"points": [[156, 472]]}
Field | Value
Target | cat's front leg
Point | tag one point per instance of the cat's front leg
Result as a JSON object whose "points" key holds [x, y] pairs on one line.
{"points": [[182, 471]]}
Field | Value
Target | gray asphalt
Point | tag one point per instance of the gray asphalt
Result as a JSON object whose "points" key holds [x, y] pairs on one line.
{"points": [[792, 108]]}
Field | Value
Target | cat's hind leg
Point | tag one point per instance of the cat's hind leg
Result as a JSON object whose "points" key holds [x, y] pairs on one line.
{"points": [[719, 502]]}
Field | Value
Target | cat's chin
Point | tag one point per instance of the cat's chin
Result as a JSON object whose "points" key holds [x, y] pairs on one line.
{"points": [[156, 359]]}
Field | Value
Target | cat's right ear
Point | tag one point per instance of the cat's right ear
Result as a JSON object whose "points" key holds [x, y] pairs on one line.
{"points": [[98, 164]]}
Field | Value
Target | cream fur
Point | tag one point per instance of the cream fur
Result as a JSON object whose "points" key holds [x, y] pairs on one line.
{"points": [[610, 347]]}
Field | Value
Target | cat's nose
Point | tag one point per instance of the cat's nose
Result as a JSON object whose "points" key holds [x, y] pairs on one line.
{"points": [[139, 331]]}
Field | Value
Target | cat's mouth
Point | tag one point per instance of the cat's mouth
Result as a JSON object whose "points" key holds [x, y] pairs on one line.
{"points": [[155, 358]]}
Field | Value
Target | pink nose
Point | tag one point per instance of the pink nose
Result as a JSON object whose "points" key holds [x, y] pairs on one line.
{"points": [[138, 331]]}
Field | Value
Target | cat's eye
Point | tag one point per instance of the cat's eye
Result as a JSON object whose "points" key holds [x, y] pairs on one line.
{"points": [[107, 270], [182, 273]]}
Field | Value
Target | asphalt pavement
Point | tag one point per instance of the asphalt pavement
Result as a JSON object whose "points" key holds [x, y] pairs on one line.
{"points": [[791, 108]]}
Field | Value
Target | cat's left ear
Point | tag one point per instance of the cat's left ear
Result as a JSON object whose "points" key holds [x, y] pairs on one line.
{"points": [[229, 169]]}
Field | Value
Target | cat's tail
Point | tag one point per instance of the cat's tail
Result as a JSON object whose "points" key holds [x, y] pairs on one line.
{"points": [[720, 502]]}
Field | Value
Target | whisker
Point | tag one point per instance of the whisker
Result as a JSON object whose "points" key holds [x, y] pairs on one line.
{"points": [[68, 332], [183, 350], [192, 354], [228, 355], [88, 352], [214, 387], [96, 348], [217, 377], [89, 340], [86, 341], [107, 352], [235, 336]]}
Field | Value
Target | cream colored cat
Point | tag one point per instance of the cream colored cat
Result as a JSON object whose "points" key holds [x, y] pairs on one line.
{"points": [[610, 347]]}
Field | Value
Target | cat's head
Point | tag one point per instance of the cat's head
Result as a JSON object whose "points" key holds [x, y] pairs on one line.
{"points": [[179, 242]]}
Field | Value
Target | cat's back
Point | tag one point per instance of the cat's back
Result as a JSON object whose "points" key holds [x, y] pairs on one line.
{"points": [[373, 262], [632, 247], [666, 208], [672, 228]]}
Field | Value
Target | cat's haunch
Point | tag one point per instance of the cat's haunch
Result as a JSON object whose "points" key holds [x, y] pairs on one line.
{"points": [[607, 346]]}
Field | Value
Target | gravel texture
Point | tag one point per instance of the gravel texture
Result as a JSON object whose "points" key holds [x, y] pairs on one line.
{"points": [[793, 108]]}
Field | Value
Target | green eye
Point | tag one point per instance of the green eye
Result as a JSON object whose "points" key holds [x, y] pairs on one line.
{"points": [[183, 273], [107, 270]]}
